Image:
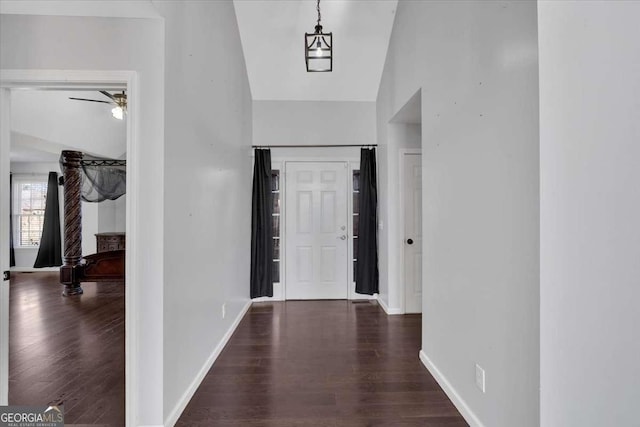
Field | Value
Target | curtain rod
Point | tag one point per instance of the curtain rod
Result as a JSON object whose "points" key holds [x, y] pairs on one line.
{"points": [[315, 146]]}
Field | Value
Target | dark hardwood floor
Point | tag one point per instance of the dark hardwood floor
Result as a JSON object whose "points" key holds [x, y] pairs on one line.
{"points": [[299, 363], [321, 363], [67, 350]]}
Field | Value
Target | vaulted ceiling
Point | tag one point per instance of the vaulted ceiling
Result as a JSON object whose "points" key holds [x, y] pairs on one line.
{"points": [[45, 122], [272, 34]]}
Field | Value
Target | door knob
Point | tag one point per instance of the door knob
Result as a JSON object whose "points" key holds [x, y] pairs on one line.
{"points": [[343, 237], [410, 241]]}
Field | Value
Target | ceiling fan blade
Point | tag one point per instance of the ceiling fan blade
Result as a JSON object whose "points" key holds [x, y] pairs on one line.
{"points": [[108, 95], [92, 100]]}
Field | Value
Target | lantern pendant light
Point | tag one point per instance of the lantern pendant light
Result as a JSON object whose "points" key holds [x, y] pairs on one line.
{"points": [[318, 48]]}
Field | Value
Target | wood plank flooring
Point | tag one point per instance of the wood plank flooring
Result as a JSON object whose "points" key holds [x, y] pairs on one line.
{"points": [[67, 350], [321, 364], [299, 363]]}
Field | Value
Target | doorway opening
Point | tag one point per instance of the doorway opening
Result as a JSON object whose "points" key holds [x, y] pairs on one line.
{"points": [[405, 132], [30, 153]]}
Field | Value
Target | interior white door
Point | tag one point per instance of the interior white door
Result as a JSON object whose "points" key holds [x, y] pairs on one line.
{"points": [[316, 230], [412, 190]]}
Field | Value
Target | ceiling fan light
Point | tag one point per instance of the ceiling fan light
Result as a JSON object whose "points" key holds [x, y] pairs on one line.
{"points": [[118, 113]]}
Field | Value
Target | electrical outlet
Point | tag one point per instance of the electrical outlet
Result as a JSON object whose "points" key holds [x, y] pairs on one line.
{"points": [[480, 378], [224, 310]]}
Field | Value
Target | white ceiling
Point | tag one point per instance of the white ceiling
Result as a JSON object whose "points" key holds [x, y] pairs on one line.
{"points": [[45, 122], [272, 33]]}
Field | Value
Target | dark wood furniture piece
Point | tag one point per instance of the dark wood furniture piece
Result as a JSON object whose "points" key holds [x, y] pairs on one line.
{"points": [[106, 242], [100, 267]]}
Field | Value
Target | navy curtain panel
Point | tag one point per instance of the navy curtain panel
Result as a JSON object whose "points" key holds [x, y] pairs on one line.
{"points": [[50, 251], [367, 264], [12, 253], [262, 227]]}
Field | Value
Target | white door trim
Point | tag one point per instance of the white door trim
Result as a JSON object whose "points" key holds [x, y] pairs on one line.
{"points": [[400, 245], [5, 111], [86, 79]]}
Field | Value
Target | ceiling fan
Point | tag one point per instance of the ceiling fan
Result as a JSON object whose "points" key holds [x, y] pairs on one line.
{"points": [[117, 99]]}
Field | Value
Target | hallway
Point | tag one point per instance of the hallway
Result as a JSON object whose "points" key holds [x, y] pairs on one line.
{"points": [[321, 363]]}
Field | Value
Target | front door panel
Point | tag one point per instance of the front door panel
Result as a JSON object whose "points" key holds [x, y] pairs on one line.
{"points": [[316, 230]]}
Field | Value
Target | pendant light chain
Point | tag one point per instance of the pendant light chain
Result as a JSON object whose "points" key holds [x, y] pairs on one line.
{"points": [[318, 47]]}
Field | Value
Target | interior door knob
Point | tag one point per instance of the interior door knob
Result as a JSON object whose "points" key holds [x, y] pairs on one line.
{"points": [[410, 241], [343, 237]]}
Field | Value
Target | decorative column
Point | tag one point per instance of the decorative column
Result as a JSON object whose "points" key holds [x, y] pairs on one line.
{"points": [[70, 270]]}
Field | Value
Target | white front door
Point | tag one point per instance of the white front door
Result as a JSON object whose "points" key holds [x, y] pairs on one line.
{"points": [[412, 190], [316, 230]]}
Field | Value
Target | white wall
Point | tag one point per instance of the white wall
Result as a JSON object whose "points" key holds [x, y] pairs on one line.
{"points": [[313, 122], [590, 211], [104, 8], [476, 64], [85, 43], [111, 215], [208, 190]]}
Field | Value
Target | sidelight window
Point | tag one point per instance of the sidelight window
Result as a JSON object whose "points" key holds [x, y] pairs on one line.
{"points": [[275, 213], [356, 217]]}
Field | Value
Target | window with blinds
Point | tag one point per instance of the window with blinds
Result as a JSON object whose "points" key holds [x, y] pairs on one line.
{"points": [[29, 199]]}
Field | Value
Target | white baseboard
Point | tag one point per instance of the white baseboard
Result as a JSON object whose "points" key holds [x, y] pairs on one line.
{"points": [[266, 299], [173, 417], [33, 270], [361, 297], [278, 294], [458, 402], [385, 307]]}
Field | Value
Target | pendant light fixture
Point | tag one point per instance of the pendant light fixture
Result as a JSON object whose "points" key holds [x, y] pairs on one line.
{"points": [[318, 48]]}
